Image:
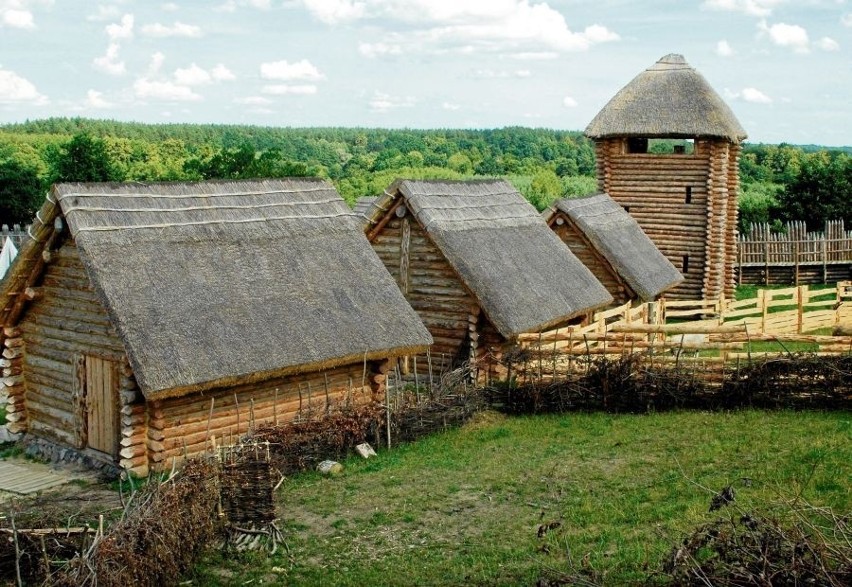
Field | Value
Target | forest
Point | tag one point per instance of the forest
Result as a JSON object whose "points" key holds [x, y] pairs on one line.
{"points": [[779, 182]]}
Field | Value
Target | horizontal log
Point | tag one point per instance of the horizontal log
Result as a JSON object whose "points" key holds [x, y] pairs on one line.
{"points": [[685, 328], [38, 428], [98, 342], [13, 353]]}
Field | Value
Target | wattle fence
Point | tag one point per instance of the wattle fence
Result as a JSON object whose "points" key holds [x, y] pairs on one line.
{"points": [[706, 335]]}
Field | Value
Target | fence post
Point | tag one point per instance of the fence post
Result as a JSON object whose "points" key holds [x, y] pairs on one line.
{"points": [[796, 261], [762, 295], [825, 258], [766, 261], [802, 292]]}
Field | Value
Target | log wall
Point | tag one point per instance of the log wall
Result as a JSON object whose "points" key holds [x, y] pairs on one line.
{"points": [[686, 204], [430, 285], [64, 323], [183, 426], [586, 253]]}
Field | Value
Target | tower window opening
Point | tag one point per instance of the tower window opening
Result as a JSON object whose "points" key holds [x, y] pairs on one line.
{"points": [[688, 198]]}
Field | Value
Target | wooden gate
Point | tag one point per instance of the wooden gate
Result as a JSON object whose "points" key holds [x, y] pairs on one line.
{"points": [[102, 405]]}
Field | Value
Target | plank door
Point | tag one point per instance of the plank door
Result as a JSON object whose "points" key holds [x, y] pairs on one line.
{"points": [[102, 405]]}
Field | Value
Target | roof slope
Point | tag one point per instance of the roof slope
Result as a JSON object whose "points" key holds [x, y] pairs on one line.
{"points": [[669, 99], [215, 281], [622, 242], [525, 278], [363, 206]]}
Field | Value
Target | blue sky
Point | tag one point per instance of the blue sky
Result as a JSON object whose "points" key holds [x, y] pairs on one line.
{"points": [[783, 65]]}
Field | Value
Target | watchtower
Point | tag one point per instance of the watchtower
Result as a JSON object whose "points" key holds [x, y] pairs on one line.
{"points": [[684, 199]]}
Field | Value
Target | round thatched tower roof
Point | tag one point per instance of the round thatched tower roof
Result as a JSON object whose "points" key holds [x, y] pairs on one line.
{"points": [[669, 99]]}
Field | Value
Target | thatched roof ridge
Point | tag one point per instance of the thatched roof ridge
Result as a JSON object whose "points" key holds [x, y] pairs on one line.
{"points": [[618, 237], [221, 281], [523, 276], [363, 206], [669, 99]]}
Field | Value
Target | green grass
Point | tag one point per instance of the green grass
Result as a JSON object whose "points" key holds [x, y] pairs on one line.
{"points": [[464, 507]]}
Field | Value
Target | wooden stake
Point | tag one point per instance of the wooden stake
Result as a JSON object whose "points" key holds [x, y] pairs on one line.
{"points": [[210, 416]]}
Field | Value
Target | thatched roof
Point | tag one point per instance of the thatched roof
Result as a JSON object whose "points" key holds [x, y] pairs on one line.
{"points": [[523, 276], [364, 205], [621, 241], [669, 99], [211, 283]]}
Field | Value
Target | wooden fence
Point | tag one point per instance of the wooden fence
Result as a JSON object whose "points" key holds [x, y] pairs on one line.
{"points": [[704, 334], [762, 250], [17, 233]]}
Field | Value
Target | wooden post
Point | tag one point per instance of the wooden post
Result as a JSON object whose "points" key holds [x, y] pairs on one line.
{"points": [[796, 261], [801, 292], [766, 261], [825, 257]]}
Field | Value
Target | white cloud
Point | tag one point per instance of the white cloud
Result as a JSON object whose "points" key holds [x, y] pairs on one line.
{"points": [[122, 30], [381, 102], [846, 19], [286, 71], [750, 7], [17, 19], [14, 88], [198, 76], [95, 99], [192, 76], [378, 49], [110, 63], [178, 29], [232, 5], [18, 14], [334, 11], [450, 106], [466, 26], [170, 7], [501, 74], [569, 102], [536, 55], [723, 49], [253, 101], [104, 12], [284, 89], [787, 35], [146, 89], [828, 44], [157, 60], [220, 73], [752, 95]]}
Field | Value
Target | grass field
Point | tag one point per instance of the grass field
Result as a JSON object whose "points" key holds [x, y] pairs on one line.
{"points": [[466, 507]]}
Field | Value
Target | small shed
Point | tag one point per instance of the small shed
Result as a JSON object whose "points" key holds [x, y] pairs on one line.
{"points": [[143, 319], [611, 243], [478, 264], [686, 200]]}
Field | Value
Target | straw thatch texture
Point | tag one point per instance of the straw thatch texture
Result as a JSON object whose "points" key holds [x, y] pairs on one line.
{"points": [[522, 275], [622, 242], [364, 206], [216, 282], [669, 99]]}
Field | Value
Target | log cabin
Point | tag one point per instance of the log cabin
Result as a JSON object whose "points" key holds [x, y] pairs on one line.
{"points": [[612, 244], [142, 320], [685, 201], [479, 265]]}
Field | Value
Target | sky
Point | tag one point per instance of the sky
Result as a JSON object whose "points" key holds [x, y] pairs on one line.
{"points": [[783, 66]]}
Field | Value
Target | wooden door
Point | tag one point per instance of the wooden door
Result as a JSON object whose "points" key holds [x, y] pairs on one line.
{"points": [[102, 405]]}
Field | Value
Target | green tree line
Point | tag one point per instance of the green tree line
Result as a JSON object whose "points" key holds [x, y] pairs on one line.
{"points": [[779, 182]]}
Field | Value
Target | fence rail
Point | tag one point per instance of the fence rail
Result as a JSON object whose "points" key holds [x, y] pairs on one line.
{"points": [[720, 333]]}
